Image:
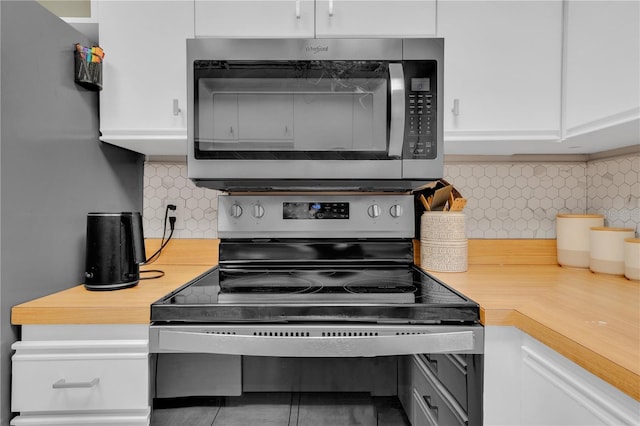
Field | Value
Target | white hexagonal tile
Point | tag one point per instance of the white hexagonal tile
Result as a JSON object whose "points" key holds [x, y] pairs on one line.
{"points": [[180, 182], [539, 192], [162, 170], [173, 193], [204, 203], [509, 182], [155, 182], [186, 193], [571, 204], [484, 224], [466, 171], [197, 214], [503, 171], [496, 181], [564, 192], [161, 193], [558, 203], [490, 192], [484, 181], [191, 203], [174, 171]]}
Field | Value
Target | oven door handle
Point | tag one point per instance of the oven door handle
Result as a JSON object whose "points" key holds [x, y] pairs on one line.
{"points": [[396, 128], [358, 346]]}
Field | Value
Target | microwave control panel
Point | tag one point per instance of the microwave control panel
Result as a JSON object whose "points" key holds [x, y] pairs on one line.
{"points": [[421, 114]]}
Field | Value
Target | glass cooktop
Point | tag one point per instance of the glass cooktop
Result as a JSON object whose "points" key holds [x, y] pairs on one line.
{"points": [[380, 294]]}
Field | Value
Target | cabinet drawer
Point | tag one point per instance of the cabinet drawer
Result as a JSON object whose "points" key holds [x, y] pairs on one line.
{"points": [[452, 371], [68, 382], [442, 407]]}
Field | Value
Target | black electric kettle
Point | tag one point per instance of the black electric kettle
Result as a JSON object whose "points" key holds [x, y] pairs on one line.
{"points": [[115, 250]]}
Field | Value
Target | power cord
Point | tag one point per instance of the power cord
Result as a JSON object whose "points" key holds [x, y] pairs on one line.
{"points": [[163, 243]]}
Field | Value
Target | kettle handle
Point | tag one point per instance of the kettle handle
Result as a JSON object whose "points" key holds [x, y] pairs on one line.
{"points": [[138, 238], [133, 226]]}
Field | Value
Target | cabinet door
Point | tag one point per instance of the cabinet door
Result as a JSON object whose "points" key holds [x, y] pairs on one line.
{"points": [[602, 65], [557, 392], [502, 74], [528, 383], [254, 18], [144, 72], [375, 18]]}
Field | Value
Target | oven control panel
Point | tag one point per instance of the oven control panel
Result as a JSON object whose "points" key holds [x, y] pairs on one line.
{"points": [[315, 216], [314, 210]]}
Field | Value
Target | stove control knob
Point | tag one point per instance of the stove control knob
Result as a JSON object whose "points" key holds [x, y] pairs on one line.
{"points": [[236, 210], [258, 211], [396, 210], [373, 211]]}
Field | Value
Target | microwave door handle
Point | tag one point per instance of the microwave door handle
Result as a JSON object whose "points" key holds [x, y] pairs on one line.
{"points": [[396, 130]]}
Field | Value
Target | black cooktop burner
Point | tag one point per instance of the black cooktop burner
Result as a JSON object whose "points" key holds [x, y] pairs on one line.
{"points": [[317, 286]]}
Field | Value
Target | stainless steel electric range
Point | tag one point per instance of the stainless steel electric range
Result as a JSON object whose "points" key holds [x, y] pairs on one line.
{"points": [[319, 276]]}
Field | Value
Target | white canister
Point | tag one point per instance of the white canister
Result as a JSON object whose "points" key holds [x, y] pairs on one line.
{"points": [[607, 249], [632, 258], [572, 238]]}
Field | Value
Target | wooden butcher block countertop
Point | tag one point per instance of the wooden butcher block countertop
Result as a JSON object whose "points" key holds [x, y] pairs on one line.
{"points": [[592, 319], [181, 262]]}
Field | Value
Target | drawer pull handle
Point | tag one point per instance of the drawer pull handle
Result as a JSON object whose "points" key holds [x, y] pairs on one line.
{"points": [[427, 400], [63, 384]]}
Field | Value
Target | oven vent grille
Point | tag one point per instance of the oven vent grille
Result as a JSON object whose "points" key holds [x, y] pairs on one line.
{"points": [[406, 333], [220, 332], [349, 333], [281, 333]]}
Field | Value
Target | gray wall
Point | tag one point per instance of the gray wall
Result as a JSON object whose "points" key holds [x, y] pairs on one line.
{"points": [[54, 170]]}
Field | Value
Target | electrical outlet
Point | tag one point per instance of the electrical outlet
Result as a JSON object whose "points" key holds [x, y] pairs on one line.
{"points": [[178, 213]]}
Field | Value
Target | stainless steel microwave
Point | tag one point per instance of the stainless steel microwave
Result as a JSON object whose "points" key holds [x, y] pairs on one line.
{"points": [[315, 114]]}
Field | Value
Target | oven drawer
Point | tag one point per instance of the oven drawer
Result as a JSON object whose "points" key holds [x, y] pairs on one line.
{"points": [[66, 379], [452, 371], [441, 407]]}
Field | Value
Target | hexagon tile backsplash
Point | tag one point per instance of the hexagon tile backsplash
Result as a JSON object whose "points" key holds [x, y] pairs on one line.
{"points": [[166, 183], [505, 200]]}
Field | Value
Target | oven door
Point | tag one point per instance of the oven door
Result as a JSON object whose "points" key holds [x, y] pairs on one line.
{"points": [[317, 340]]}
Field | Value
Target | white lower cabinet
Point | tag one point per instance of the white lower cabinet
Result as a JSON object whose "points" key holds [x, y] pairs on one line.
{"points": [[528, 383], [81, 375]]}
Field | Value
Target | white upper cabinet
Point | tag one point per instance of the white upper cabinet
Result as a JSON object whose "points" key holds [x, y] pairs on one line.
{"points": [[319, 18], [375, 18], [602, 78], [143, 104], [255, 18], [502, 75]]}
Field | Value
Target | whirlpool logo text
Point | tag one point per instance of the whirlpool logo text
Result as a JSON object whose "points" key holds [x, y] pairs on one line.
{"points": [[316, 49]]}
